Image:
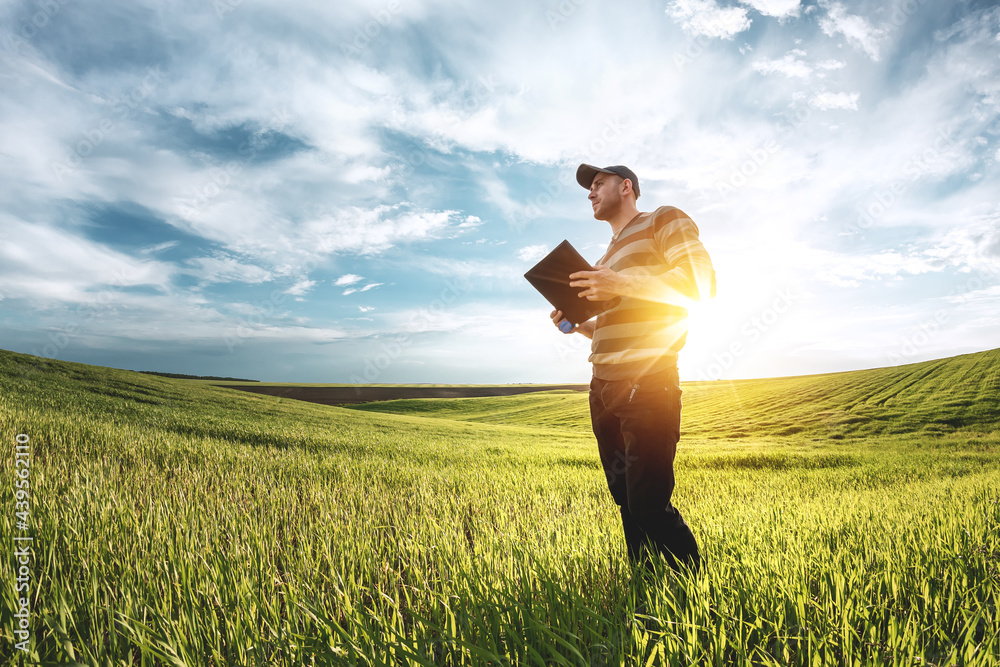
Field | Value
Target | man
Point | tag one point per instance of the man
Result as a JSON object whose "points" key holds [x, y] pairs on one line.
{"points": [[657, 265]]}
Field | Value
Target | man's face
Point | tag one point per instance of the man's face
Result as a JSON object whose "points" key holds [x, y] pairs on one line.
{"points": [[605, 195]]}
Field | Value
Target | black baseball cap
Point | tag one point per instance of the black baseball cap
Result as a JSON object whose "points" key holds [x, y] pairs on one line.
{"points": [[585, 175]]}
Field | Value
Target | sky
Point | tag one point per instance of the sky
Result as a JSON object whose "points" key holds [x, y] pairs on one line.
{"points": [[352, 191]]}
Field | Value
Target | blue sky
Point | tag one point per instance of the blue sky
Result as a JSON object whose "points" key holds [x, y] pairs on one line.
{"points": [[351, 191]]}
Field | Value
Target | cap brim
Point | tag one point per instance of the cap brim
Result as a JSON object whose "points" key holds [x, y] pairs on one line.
{"points": [[585, 174]]}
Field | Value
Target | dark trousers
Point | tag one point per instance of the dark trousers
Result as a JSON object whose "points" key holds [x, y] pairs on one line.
{"points": [[637, 423]]}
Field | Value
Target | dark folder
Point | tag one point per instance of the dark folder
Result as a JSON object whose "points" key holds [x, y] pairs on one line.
{"points": [[551, 278]]}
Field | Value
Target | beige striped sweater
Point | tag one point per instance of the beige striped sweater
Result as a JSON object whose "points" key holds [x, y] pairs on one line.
{"points": [[643, 335]]}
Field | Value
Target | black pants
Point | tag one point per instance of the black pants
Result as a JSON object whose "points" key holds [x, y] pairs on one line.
{"points": [[637, 424]]}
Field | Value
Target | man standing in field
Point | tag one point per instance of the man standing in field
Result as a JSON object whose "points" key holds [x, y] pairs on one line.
{"points": [[656, 265]]}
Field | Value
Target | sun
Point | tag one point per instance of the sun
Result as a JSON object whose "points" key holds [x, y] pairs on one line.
{"points": [[717, 343]]}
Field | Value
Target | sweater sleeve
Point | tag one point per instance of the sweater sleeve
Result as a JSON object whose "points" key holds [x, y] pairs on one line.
{"points": [[685, 274], [690, 271]]}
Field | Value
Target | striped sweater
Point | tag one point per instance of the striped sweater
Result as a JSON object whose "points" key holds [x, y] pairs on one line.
{"points": [[643, 335]]}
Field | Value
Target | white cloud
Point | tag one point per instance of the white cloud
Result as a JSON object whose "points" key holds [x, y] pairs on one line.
{"points": [[781, 9], [497, 193], [705, 17], [45, 264], [844, 270], [471, 320], [348, 279], [369, 286], [972, 246], [159, 247], [858, 32], [301, 287], [224, 269], [463, 270], [532, 253], [792, 66], [789, 65], [825, 101], [362, 172], [975, 292], [371, 231], [831, 64]]}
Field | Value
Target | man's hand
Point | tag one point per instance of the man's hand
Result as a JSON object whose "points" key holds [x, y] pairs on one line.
{"points": [[585, 328], [602, 284], [557, 317]]}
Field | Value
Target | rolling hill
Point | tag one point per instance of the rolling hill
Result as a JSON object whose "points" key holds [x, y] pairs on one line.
{"points": [[946, 396]]}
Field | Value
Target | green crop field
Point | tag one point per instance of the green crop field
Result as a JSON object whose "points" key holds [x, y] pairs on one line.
{"points": [[844, 519]]}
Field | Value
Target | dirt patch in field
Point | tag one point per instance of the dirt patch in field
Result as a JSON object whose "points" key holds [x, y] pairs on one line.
{"points": [[347, 395]]}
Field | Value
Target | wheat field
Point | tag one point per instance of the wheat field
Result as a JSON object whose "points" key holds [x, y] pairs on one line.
{"points": [[845, 519]]}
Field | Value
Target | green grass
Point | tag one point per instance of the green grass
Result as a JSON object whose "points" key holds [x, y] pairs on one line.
{"points": [[959, 395], [848, 519]]}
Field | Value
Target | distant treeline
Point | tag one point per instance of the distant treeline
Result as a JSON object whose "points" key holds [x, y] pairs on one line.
{"points": [[195, 377]]}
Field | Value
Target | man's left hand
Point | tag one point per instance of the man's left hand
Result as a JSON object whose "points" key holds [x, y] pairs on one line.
{"points": [[602, 284]]}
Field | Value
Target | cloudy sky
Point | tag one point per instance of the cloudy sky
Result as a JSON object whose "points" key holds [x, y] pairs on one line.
{"points": [[351, 191]]}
